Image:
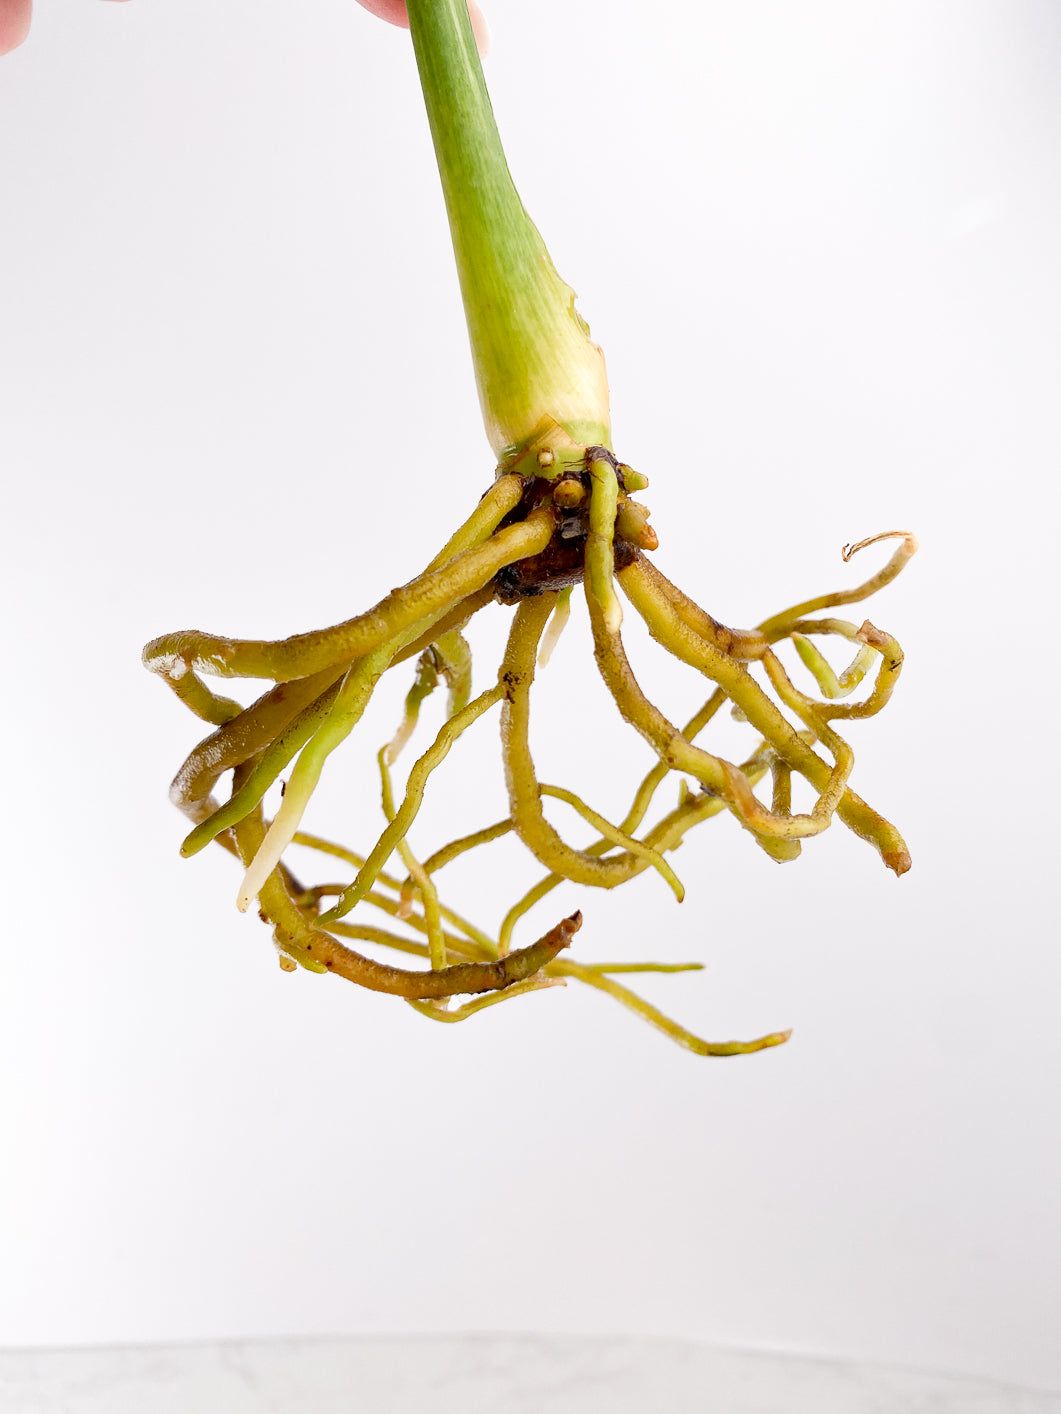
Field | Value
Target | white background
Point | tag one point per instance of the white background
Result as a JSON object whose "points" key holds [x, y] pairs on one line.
{"points": [[819, 246]]}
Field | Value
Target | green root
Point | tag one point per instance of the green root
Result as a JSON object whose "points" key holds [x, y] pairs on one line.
{"points": [[530, 541]]}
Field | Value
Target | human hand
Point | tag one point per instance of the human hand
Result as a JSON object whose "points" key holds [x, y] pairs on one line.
{"points": [[15, 18]]}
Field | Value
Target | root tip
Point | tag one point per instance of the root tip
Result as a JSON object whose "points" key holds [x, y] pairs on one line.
{"points": [[897, 860], [872, 636]]}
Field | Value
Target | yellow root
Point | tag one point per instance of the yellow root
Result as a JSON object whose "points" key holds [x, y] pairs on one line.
{"points": [[521, 544]]}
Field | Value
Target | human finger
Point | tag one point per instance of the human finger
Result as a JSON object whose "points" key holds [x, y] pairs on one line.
{"points": [[394, 12], [15, 17], [14, 23]]}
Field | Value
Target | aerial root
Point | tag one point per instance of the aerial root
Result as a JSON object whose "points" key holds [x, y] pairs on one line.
{"points": [[299, 936], [781, 624], [744, 645], [324, 681], [832, 684], [483, 550], [448, 659], [467, 937], [665, 836], [453, 980], [600, 551], [525, 794], [266, 769], [554, 628], [429, 898], [444, 1011], [615, 836], [456, 848], [673, 625], [242, 737], [876, 647], [360, 680], [398, 826], [908, 548], [260, 730], [717, 776], [651, 1014]]}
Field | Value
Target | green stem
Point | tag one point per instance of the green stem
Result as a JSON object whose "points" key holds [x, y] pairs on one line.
{"points": [[534, 361]]}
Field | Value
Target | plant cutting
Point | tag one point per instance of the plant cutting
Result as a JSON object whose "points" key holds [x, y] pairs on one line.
{"points": [[561, 517]]}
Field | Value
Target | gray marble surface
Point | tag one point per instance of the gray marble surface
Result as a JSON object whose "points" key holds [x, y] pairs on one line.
{"points": [[481, 1375]]}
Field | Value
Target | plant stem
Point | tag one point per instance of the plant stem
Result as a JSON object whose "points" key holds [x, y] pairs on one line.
{"points": [[535, 363]]}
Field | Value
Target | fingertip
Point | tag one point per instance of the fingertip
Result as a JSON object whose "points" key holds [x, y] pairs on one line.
{"points": [[394, 12], [15, 16], [480, 29]]}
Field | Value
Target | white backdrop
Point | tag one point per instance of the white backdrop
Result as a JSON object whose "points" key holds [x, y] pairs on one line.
{"points": [[236, 395]]}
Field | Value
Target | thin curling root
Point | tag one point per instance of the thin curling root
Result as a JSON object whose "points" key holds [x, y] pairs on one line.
{"points": [[908, 538]]}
